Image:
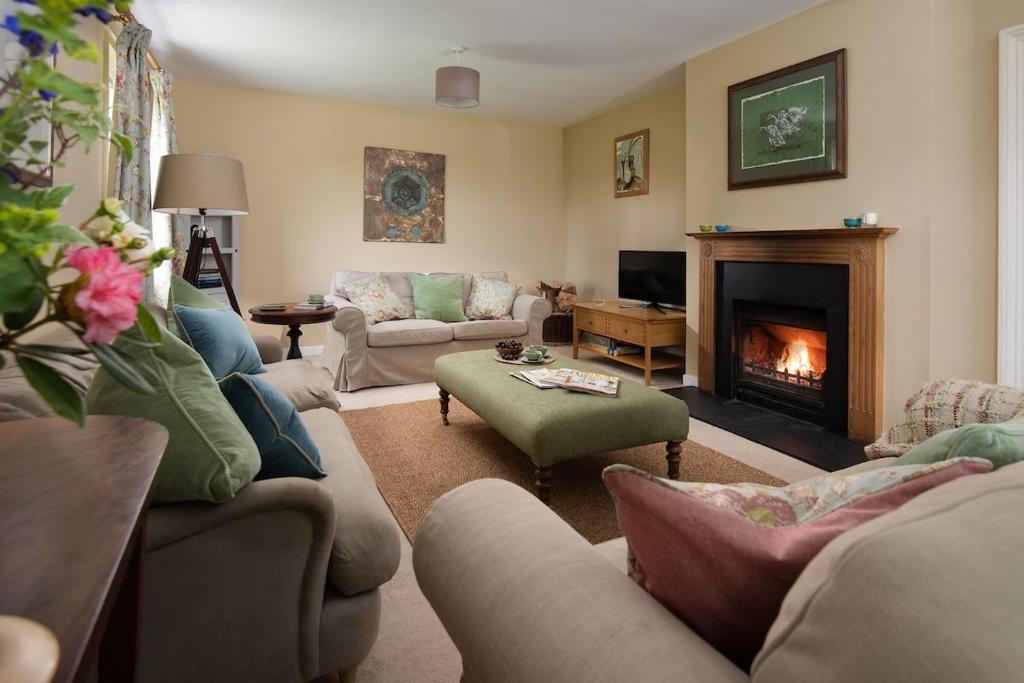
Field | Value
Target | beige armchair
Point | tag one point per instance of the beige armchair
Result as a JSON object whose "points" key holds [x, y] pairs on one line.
{"points": [[279, 584]]}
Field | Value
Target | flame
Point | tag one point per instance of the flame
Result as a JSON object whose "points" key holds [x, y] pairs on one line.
{"points": [[795, 360]]}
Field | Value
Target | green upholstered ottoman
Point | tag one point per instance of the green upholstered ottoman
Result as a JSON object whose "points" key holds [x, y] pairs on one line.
{"points": [[553, 425]]}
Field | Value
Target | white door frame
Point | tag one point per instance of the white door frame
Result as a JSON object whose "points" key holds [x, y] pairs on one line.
{"points": [[1010, 356]]}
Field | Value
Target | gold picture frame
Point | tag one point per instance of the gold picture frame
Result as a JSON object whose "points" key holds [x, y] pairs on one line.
{"points": [[631, 175]]}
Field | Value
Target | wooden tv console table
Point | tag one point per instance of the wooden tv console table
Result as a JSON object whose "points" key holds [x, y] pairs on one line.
{"points": [[643, 327]]}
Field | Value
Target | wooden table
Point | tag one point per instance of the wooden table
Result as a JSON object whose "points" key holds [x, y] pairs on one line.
{"points": [[72, 516], [644, 327], [294, 318]]}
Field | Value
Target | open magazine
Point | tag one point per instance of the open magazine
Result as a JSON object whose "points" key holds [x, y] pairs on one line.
{"points": [[573, 380]]}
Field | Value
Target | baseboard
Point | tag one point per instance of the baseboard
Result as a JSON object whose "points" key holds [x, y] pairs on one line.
{"points": [[689, 381]]}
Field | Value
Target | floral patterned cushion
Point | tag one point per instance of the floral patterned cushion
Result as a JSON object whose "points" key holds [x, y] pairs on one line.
{"points": [[374, 296], [491, 299], [722, 557], [947, 404]]}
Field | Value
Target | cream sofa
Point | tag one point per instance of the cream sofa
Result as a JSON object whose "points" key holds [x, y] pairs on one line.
{"points": [[928, 592], [362, 355], [279, 584]]}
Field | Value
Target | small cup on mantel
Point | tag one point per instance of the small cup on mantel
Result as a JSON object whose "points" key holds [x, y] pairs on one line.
{"points": [[316, 298], [869, 218]]}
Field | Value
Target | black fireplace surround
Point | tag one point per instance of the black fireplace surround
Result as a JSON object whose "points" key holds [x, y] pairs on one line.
{"points": [[809, 296]]}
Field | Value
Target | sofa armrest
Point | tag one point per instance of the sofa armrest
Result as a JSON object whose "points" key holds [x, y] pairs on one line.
{"points": [[350, 319], [534, 310], [269, 347], [252, 570], [345, 341], [526, 598]]}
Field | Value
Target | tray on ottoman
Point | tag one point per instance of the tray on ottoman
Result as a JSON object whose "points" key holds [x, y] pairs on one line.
{"points": [[555, 425]]}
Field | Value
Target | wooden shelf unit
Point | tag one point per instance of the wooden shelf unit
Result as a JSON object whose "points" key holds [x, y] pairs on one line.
{"points": [[646, 328]]}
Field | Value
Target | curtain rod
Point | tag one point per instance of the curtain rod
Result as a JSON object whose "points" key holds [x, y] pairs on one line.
{"points": [[127, 17]]}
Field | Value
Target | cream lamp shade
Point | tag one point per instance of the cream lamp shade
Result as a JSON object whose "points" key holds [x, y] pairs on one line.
{"points": [[195, 184], [457, 87]]}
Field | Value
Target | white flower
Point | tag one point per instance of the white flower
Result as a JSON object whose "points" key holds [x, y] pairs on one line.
{"points": [[131, 235], [100, 228], [111, 206]]}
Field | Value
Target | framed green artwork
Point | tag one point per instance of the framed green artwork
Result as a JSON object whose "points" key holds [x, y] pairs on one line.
{"points": [[789, 126]]}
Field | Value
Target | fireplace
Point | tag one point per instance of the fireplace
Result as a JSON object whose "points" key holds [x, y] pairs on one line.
{"points": [[827, 282], [782, 338]]}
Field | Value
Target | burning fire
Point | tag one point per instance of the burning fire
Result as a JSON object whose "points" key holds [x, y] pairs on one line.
{"points": [[795, 360]]}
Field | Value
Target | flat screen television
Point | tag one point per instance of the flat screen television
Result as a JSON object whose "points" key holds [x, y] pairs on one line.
{"points": [[657, 277]]}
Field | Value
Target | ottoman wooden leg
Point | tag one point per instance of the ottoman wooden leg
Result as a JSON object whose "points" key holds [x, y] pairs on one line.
{"points": [[674, 456], [445, 398], [544, 475]]}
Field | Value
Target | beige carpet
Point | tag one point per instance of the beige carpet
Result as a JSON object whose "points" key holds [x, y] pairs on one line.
{"points": [[416, 459]]}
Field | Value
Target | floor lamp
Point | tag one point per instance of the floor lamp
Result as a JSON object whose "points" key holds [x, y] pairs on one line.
{"points": [[203, 185]]}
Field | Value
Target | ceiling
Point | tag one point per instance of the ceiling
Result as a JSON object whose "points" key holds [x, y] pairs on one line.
{"points": [[551, 61]]}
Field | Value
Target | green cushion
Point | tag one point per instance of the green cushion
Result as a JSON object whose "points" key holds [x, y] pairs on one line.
{"points": [[221, 338], [438, 297], [1001, 444], [181, 293], [552, 425], [210, 455], [286, 448]]}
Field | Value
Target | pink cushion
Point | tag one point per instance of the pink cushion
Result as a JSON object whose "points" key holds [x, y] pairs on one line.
{"points": [[723, 557]]}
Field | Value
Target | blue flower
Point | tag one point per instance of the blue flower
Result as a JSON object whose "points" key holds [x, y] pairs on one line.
{"points": [[392, 231], [33, 42], [416, 233], [101, 14], [47, 95], [30, 40]]}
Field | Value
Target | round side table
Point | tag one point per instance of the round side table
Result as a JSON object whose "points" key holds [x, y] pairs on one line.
{"points": [[294, 318]]}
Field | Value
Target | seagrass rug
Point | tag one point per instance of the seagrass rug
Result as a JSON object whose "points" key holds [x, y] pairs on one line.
{"points": [[416, 460]]}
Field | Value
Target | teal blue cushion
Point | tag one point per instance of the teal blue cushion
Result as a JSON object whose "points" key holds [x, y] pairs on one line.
{"points": [[285, 447], [1001, 444], [220, 337]]}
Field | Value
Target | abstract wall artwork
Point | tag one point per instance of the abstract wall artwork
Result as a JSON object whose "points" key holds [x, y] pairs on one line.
{"points": [[403, 196], [632, 164], [789, 126]]}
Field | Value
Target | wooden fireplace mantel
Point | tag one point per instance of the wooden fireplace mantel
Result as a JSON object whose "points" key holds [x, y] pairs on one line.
{"points": [[863, 250]]}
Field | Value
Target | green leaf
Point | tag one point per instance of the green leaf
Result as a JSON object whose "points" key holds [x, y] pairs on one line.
{"points": [[124, 143], [15, 320], [17, 282], [68, 234], [147, 323], [121, 369], [63, 350], [54, 389], [53, 198]]}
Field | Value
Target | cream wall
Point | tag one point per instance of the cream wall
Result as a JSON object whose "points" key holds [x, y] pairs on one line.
{"points": [[303, 161], [915, 141], [597, 224]]}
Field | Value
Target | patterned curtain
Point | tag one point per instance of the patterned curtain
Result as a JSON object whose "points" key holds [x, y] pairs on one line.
{"points": [[133, 116], [143, 112], [168, 231]]}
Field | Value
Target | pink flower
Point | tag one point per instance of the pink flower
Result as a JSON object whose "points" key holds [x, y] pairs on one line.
{"points": [[106, 295]]}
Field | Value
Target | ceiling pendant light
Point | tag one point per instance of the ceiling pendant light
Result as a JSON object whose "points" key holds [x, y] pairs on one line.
{"points": [[457, 86]]}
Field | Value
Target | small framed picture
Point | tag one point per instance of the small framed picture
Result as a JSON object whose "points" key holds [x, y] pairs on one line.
{"points": [[789, 126], [632, 163]]}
